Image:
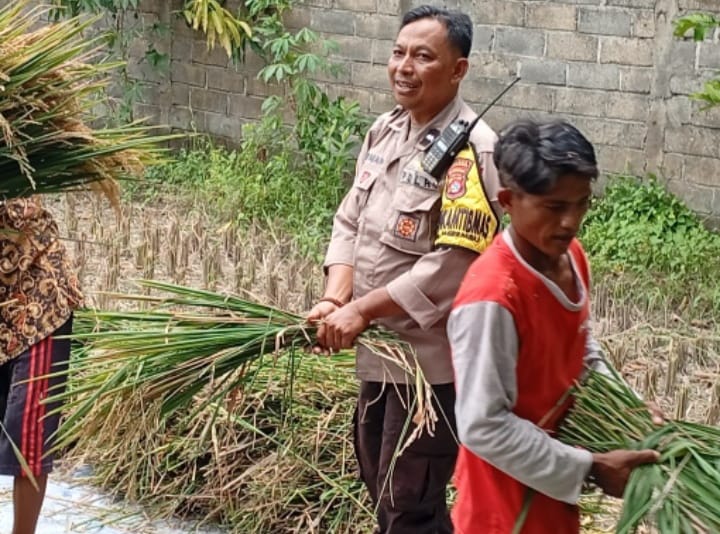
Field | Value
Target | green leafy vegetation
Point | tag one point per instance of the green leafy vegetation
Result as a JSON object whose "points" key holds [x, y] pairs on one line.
{"points": [[638, 228]]}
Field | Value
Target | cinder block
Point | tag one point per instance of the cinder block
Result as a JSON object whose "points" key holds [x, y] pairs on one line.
{"points": [[685, 84], [552, 16], [617, 160], [682, 57], [141, 70], [702, 171], [207, 100], [248, 107], [649, 4], [483, 37], [224, 126], [547, 71], [227, 79], [376, 26], [326, 20], [361, 96], [180, 94], [367, 6], [700, 116], [181, 49], [581, 102], [593, 76], [530, 96], [626, 51], [636, 79], [183, 118], [201, 54], [697, 198], [353, 48], [572, 46], [709, 55], [694, 141], [628, 107], [381, 50], [522, 42], [612, 132], [381, 102], [706, 5], [372, 76], [493, 66], [672, 166], [389, 7], [146, 112], [296, 18], [191, 74], [679, 112], [605, 21], [256, 87], [644, 24], [497, 12]]}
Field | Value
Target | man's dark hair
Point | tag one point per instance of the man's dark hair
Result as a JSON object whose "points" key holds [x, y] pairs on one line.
{"points": [[532, 155], [458, 25]]}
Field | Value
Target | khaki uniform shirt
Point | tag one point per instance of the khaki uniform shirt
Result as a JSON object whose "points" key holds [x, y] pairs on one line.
{"points": [[38, 289], [371, 235]]}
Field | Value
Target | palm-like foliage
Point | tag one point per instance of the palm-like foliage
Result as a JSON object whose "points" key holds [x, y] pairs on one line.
{"points": [[679, 494], [50, 80]]}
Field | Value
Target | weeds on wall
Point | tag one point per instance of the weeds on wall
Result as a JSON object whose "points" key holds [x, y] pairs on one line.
{"points": [[700, 25]]}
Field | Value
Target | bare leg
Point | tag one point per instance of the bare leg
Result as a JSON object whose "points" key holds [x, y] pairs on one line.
{"points": [[28, 502]]}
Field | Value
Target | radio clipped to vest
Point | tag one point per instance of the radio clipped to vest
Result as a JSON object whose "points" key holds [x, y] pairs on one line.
{"points": [[452, 140]]}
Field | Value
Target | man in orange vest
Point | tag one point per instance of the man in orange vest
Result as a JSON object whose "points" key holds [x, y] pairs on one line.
{"points": [[520, 339]]}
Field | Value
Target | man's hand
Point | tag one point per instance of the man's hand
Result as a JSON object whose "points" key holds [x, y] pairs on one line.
{"points": [[341, 327], [611, 470]]}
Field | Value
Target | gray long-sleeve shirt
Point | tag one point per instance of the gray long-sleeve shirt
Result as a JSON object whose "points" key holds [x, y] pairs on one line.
{"points": [[485, 347]]}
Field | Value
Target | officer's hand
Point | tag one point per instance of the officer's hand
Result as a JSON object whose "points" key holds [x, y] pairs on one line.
{"points": [[611, 470], [341, 327], [317, 315], [320, 311]]}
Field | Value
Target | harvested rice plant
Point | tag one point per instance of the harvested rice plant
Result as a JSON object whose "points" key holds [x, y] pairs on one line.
{"points": [[191, 390]]}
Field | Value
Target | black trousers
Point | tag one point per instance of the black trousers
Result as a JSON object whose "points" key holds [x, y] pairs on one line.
{"points": [[408, 491]]}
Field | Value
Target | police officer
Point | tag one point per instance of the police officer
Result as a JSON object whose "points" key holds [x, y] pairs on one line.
{"points": [[401, 243]]}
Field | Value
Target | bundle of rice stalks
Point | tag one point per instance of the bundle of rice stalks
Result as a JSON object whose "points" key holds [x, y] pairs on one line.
{"points": [[214, 408], [679, 494], [48, 86]]}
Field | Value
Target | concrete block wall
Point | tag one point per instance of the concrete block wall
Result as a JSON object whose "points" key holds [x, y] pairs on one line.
{"points": [[612, 67]]}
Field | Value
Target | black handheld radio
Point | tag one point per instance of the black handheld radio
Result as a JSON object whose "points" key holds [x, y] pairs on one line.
{"points": [[452, 140]]}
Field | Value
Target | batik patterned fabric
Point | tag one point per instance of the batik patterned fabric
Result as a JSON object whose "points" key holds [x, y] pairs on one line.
{"points": [[38, 289]]}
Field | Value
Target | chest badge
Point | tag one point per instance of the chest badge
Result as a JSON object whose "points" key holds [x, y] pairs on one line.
{"points": [[406, 227]]}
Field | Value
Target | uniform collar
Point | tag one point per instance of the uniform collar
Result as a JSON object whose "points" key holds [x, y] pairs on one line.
{"points": [[401, 123]]}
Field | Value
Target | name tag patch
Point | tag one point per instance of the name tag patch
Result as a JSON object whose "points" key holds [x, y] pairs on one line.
{"points": [[418, 179]]}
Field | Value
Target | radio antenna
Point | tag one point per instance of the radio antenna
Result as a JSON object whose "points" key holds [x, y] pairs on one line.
{"points": [[491, 104]]}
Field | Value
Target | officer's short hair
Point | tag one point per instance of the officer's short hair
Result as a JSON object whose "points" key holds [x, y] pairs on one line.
{"points": [[459, 26], [533, 155]]}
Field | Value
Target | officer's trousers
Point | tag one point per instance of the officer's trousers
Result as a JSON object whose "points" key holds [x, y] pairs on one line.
{"points": [[409, 491]]}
